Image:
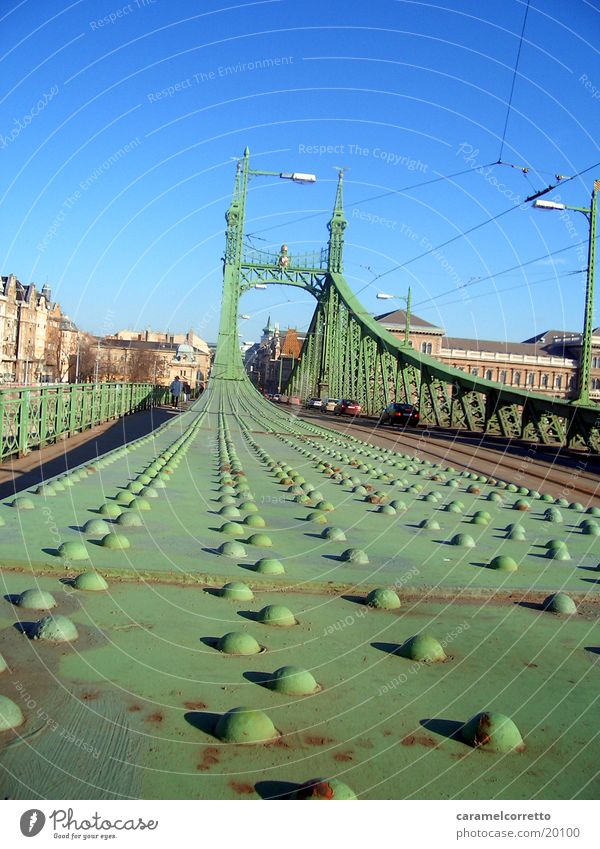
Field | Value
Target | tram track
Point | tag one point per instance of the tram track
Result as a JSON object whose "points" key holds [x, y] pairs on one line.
{"points": [[515, 464]]}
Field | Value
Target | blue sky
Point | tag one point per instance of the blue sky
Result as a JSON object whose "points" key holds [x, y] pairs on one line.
{"points": [[119, 122]]}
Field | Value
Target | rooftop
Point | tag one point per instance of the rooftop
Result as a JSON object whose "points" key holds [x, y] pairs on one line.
{"points": [[495, 347], [397, 318]]}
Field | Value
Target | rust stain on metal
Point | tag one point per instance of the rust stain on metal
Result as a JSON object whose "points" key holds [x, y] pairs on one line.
{"points": [[194, 705], [319, 790], [242, 789], [317, 740]]}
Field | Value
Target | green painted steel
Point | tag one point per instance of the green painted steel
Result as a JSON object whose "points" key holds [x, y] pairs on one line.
{"points": [[585, 370], [31, 417], [351, 607], [246, 601], [348, 354]]}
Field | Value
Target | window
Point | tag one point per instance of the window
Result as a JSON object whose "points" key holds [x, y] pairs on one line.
{"points": [[544, 381], [502, 376], [558, 382], [595, 362], [517, 378], [426, 347], [572, 382], [530, 378], [488, 374]]}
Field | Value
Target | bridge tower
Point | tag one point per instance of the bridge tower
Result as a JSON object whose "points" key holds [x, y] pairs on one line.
{"points": [[347, 353]]}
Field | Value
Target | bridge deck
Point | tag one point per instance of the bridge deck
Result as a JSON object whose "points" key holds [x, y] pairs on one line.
{"points": [[129, 708]]}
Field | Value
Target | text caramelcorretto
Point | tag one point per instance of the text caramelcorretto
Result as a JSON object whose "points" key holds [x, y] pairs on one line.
{"points": [[502, 815]]}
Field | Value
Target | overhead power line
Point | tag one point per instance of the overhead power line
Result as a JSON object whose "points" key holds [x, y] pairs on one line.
{"points": [[385, 194], [481, 224], [514, 79], [526, 285], [500, 273]]}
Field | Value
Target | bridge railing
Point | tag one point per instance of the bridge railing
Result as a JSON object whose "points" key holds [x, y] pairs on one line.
{"points": [[33, 416], [305, 259], [347, 351]]}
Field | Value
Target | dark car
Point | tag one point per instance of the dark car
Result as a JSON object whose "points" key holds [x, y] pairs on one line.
{"points": [[400, 414], [347, 407]]}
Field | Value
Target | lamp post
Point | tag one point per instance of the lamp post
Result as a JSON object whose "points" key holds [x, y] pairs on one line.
{"points": [[97, 362], [227, 364], [77, 358], [383, 296], [585, 361]]}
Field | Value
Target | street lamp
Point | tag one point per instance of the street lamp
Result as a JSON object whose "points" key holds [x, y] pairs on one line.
{"points": [[77, 358], [585, 362], [97, 370], [296, 177], [383, 296]]}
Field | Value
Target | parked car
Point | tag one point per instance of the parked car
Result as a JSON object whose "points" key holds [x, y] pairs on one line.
{"points": [[329, 405], [400, 414], [276, 398], [346, 407], [314, 403]]}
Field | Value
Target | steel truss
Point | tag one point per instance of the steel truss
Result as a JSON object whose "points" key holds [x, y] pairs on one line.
{"points": [[347, 353]]}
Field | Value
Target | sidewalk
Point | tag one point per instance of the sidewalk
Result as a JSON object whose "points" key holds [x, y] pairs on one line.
{"points": [[17, 474]]}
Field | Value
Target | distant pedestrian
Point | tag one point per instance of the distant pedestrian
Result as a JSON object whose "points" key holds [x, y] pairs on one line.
{"points": [[187, 389], [176, 388]]}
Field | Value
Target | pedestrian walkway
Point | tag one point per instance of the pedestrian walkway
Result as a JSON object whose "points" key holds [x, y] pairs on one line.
{"points": [[17, 474]]}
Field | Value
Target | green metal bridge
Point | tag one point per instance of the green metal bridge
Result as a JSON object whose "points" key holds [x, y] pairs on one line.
{"points": [[34, 416], [348, 354], [243, 604]]}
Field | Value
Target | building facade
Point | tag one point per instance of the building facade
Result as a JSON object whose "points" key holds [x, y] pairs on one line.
{"points": [[270, 362], [40, 344], [547, 363], [36, 339], [151, 356]]}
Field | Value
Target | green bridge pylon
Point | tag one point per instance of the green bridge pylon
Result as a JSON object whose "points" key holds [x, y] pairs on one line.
{"points": [[347, 353]]}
